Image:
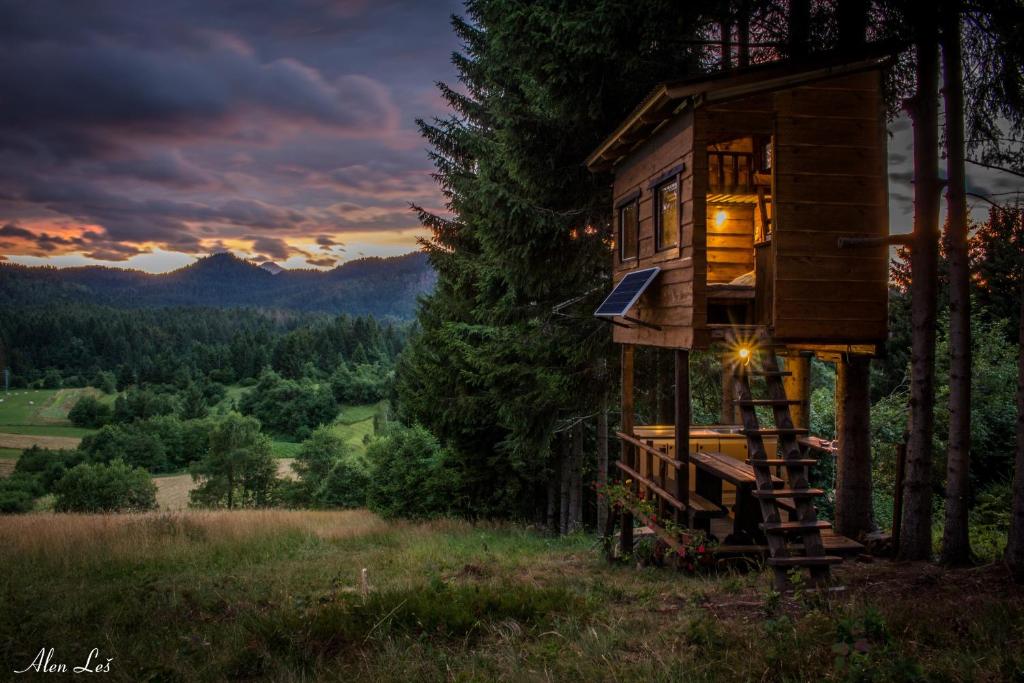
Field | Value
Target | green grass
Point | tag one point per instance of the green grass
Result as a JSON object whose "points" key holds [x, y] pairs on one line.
{"points": [[284, 449], [10, 453], [47, 430], [278, 596]]}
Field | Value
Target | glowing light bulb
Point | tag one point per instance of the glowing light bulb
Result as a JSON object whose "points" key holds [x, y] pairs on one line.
{"points": [[721, 217], [744, 354]]}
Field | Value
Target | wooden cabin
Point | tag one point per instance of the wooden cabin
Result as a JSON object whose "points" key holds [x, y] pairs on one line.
{"points": [[750, 216]]}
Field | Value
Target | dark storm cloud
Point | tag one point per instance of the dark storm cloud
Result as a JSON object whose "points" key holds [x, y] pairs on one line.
{"points": [[185, 124]]}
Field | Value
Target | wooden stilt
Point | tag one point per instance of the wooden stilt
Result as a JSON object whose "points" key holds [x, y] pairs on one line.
{"points": [[798, 388], [682, 430], [626, 534]]}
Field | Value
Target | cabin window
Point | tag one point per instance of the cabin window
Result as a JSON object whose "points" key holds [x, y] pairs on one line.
{"points": [[666, 215], [629, 230]]}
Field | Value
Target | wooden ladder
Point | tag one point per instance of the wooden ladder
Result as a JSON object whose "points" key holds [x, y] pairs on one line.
{"points": [[797, 493]]}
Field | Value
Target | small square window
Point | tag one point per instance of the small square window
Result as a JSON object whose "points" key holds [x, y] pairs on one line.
{"points": [[666, 215], [629, 231]]}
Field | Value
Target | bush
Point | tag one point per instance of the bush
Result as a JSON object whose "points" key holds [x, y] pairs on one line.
{"points": [[17, 494], [47, 467], [136, 447], [90, 412], [139, 404], [408, 474], [363, 383], [345, 485], [114, 487], [289, 407]]}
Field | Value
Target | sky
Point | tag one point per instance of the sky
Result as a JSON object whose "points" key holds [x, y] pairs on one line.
{"points": [[148, 133]]}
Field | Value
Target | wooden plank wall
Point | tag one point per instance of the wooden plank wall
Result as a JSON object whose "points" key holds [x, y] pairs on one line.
{"points": [[730, 246], [830, 181], [670, 301]]}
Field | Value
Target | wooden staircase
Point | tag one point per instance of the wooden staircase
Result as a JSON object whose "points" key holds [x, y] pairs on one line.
{"points": [[797, 497]]}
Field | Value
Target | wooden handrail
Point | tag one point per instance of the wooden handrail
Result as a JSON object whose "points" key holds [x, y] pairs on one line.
{"points": [[662, 493], [648, 449]]}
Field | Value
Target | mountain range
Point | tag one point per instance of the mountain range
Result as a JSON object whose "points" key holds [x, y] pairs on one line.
{"points": [[375, 286]]}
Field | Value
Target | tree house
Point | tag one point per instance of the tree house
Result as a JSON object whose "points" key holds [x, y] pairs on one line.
{"points": [[751, 216]]}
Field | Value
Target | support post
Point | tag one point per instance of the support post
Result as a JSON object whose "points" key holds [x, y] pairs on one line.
{"points": [[853, 459], [682, 430], [626, 530], [727, 414], [798, 388]]}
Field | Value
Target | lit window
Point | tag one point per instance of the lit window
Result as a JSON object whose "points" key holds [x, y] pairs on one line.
{"points": [[667, 215], [629, 231]]}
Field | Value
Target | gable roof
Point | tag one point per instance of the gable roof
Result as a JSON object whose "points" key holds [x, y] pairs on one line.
{"points": [[667, 99]]}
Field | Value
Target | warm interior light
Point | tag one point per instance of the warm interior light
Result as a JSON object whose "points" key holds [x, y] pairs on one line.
{"points": [[744, 353], [720, 218]]}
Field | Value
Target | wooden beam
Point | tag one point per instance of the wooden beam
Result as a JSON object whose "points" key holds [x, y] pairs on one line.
{"points": [[798, 388], [626, 535], [682, 424], [857, 242], [727, 414]]}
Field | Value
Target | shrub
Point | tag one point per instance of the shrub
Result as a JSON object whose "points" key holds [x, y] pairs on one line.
{"points": [[46, 466], [139, 404], [289, 407], [137, 447], [90, 412], [345, 485], [17, 494], [408, 474], [114, 487]]}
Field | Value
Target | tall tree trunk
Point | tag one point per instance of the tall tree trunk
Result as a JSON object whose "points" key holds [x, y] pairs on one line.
{"points": [[1015, 543], [602, 462], [853, 464], [853, 25], [799, 27], [576, 480], [552, 493], [956, 545], [916, 535], [726, 31], [743, 34], [564, 481]]}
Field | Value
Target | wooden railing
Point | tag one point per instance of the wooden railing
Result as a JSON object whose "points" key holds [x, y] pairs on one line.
{"points": [[730, 172], [652, 474]]}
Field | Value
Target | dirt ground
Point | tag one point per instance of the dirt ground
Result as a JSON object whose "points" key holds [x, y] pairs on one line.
{"points": [[23, 441], [172, 492]]}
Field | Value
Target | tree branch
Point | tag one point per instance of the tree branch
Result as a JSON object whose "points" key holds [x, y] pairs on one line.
{"points": [[995, 168]]}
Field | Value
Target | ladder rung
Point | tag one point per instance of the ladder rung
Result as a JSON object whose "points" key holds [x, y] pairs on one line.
{"points": [[779, 462], [769, 402], [771, 373], [774, 432], [802, 561], [788, 493], [783, 527]]}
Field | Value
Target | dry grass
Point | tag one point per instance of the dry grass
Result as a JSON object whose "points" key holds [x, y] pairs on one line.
{"points": [[23, 441], [172, 492], [65, 538]]}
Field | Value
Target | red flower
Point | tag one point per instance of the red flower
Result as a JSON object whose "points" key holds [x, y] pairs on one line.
{"points": [[700, 549]]}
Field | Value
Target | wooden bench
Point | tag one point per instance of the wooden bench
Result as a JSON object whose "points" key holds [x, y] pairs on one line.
{"points": [[712, 468]]}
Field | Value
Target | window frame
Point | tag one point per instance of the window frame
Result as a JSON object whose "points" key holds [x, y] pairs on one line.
{"points": [[659, 246], [632, 199]]}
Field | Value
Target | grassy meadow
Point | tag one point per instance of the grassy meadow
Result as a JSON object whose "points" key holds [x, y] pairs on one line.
{"points": [[39, 417], [279, 595]]}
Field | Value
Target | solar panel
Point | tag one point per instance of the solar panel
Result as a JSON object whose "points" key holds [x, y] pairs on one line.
{"points": [[626, 293]]}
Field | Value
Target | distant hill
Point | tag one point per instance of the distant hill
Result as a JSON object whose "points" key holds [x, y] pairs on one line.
{"points": [[375, 286]]}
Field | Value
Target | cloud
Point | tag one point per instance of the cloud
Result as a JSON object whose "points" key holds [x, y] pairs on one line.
{"points": [[185, 125], [322, 261]]}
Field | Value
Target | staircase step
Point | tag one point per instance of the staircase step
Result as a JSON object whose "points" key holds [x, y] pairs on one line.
{"points": [[783, 527], [779, 462], [788, 493], [769, 402], [792, 431], [801, 561]]}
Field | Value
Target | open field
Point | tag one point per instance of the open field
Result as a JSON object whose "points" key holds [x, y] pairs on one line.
{"points": [[172, 490], [22, 441], [277, 595]]}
